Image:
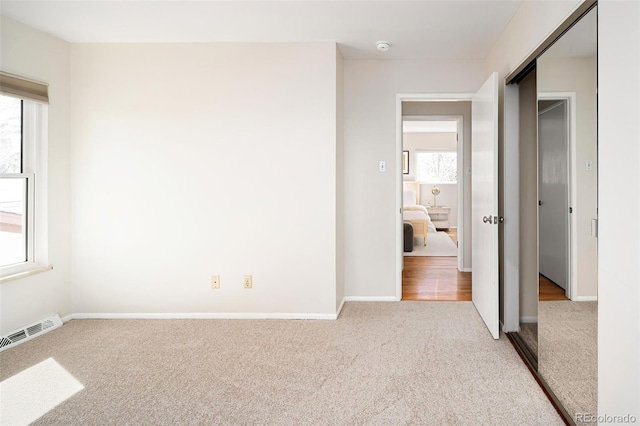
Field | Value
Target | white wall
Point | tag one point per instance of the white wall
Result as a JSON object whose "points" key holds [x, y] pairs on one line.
{"points": [[34, 54], [196, 159], [426, 141], [371, 217], [529, 27], [578, 75], [619, 208]]}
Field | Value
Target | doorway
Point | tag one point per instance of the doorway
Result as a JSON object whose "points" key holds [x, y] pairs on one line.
{"points": [[434, 144]]}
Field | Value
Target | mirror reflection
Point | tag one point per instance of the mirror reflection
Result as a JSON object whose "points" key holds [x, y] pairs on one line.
{"points": [[567, 211]]}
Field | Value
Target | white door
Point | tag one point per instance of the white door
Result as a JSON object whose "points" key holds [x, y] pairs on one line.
{"points": [[553, 192], [484, 203]]}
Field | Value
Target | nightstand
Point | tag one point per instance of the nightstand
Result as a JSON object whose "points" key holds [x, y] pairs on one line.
{"points": [[440, 216]]}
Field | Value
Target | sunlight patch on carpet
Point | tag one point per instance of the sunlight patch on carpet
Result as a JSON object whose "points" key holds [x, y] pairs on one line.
{"points": [[35, 391]]}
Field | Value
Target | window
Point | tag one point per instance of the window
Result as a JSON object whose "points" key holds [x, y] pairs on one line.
{"points": [[437, 167], [22, 154]]}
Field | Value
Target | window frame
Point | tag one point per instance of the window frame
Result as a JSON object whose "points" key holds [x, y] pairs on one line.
{"points": [[436, 151], [34, 171]]}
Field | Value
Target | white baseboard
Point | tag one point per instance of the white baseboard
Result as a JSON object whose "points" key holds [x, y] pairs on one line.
{"points": [[340, 307], [200, 315], [370, 298], [215, 315], [67, 318], [528, 320], [466, 270], [586, 299]]}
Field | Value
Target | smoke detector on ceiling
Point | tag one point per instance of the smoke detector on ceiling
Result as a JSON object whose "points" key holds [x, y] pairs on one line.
{"points": [[383, 46]]}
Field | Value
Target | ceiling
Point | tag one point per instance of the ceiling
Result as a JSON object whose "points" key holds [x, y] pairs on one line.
{"points": [[421, 29]]}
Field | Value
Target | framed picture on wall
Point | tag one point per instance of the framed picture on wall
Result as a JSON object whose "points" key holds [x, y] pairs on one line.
{"points": [[405, 162]]}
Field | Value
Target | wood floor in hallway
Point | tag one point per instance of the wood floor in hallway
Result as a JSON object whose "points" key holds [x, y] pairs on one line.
{"points": [[548, 290], [434, 278]]}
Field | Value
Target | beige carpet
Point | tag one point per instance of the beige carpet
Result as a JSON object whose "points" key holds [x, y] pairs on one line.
{"points": [[568, 353], [529, 333], [417, 363]]}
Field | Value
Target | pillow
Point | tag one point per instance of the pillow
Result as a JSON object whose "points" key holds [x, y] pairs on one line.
{"points": [[408, 197]]}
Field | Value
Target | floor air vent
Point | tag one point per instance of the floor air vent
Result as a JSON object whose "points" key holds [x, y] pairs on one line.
{"points": [[29, 332]]}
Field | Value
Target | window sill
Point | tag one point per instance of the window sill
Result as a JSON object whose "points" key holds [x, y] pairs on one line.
{"points": [[24, 274]]}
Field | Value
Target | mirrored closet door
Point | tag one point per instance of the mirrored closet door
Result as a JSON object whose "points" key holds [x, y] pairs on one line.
{"points": [[566, 77]]}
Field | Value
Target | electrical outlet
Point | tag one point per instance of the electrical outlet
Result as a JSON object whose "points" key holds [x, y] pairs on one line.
{"points": [[247, 281], [215, 281]]}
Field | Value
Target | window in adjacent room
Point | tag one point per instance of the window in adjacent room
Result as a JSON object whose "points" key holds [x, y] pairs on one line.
{"points": [[436, 167], [23, 121]]}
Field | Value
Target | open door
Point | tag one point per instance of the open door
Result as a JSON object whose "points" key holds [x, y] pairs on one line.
{"points": [[553, 191], [484, 203]]}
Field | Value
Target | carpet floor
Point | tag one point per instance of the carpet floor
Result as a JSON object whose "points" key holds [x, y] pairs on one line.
{"points": [[568, 353], [529, 333], [379, 364], [438, 244]]}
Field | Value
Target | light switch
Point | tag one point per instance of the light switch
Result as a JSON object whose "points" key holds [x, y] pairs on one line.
{"points": [[589, 165], [382, 166]]}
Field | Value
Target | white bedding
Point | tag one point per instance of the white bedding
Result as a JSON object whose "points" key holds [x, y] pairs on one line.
{"points": [[417, 211]]}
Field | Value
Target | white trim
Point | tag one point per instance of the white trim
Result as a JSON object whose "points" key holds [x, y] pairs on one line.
{"points": [[511, 209], [370, 299], [399, 204], [200, 315], [411, 97], [570, 98], [204, 315], [444, 97], [586, 299], [466, 270], [528, 320], [340, 307], [34, 170], [24, 274], [460, 230]]}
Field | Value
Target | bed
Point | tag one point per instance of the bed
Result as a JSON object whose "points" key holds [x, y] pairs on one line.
{"points": [[415, 213]]}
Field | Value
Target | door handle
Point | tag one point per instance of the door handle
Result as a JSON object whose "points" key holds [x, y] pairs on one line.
{"points": [[488, 220]]}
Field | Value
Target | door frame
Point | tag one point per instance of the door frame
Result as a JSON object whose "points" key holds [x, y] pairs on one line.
{"points": [[427, 97], [572, 246]]}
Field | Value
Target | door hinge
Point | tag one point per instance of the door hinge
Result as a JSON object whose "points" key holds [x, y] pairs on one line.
{"points": [[594, 228], [570, 209]]}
